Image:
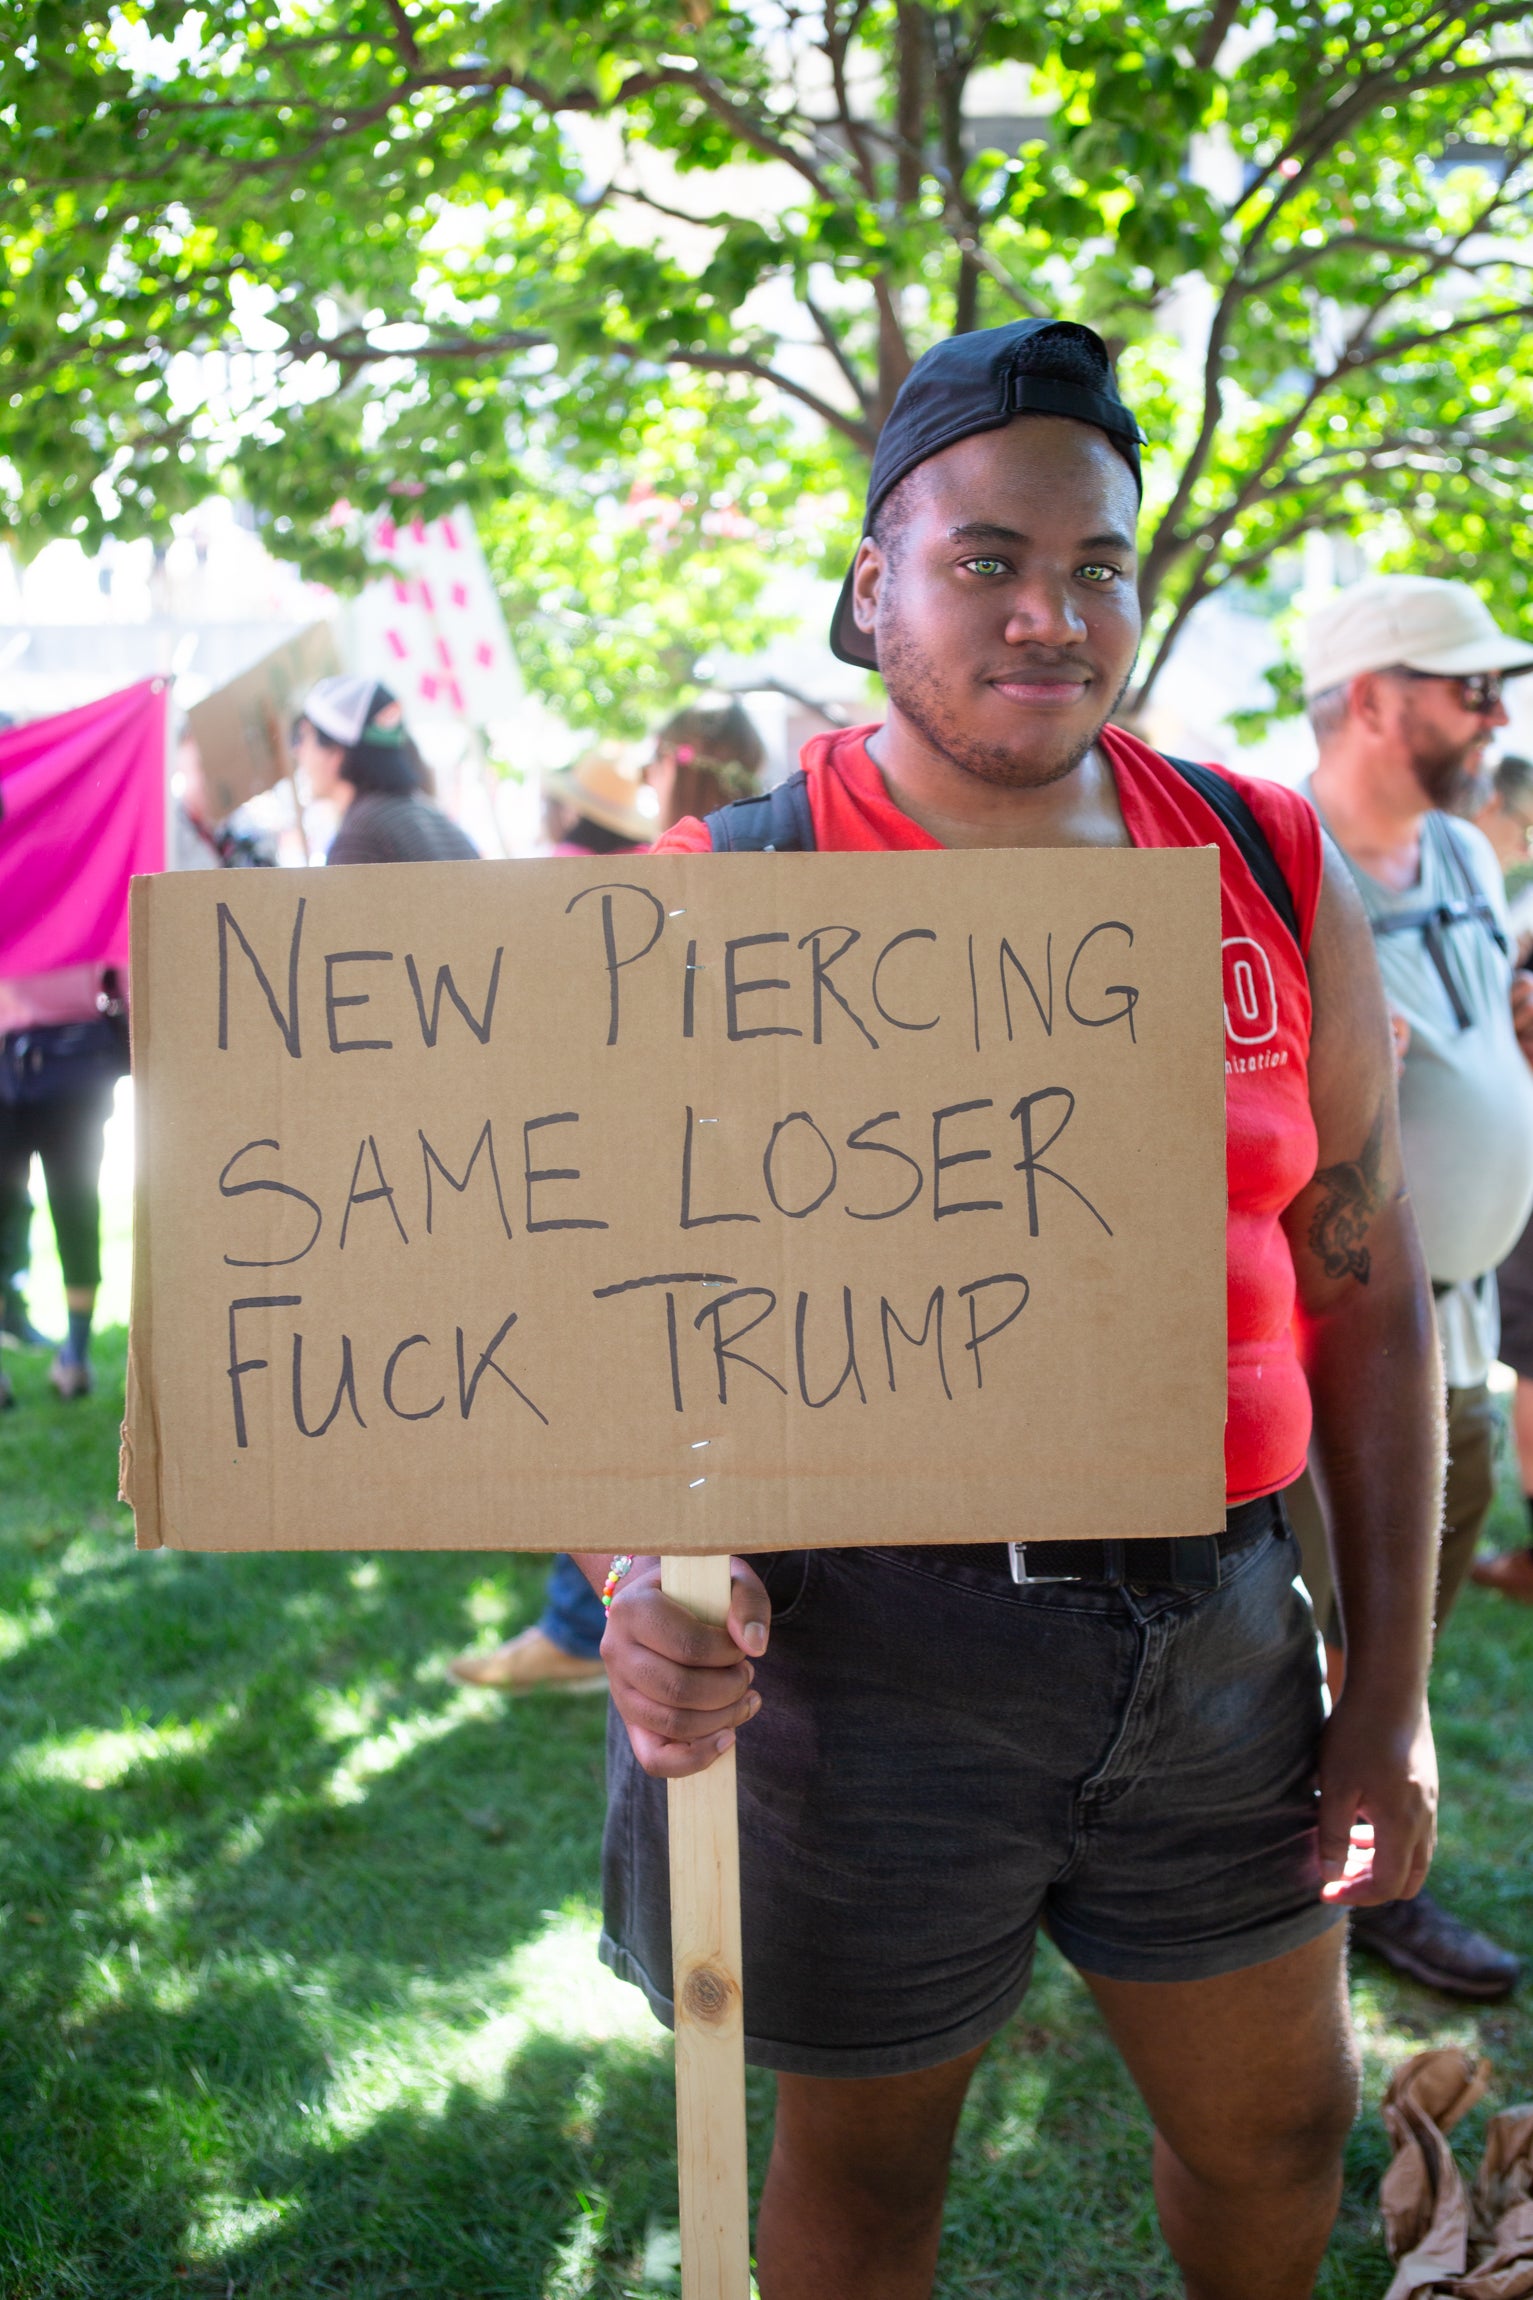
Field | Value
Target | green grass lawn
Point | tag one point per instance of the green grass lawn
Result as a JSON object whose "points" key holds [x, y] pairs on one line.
{"points": [[298, 1992]]}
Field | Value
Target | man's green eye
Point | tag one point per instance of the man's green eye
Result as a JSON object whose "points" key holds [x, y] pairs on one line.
{"points": [[986, 566], [1097, 574]]}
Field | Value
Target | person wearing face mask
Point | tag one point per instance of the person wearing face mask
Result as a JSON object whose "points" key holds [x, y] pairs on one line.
{"points": [[351, 746], [1402, 679]]}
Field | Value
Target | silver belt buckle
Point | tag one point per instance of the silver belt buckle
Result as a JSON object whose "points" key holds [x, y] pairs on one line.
{"points": [[1026, 1580]]}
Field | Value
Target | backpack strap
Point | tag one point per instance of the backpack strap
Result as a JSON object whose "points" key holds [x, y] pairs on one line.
{"points": [[779, 822], [1433, 920], [1235, 812], [1474, 894]]}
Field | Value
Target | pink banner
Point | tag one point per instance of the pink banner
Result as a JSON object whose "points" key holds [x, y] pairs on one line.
{"points": [[82, 810]]}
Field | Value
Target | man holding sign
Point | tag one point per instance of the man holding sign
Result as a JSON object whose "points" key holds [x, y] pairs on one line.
{"points": [[1121, 1739]]}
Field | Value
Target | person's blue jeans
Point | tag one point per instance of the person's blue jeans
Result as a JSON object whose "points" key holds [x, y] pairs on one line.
{"points": [[573, 1617]]}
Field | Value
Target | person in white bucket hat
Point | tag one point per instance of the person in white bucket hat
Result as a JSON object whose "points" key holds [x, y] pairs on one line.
{"points": [[1402, 681]]}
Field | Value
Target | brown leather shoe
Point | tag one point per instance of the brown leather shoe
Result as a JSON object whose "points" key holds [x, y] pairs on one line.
{"points": [[1421, 1939], [1511, 1573], [527, 1663]]}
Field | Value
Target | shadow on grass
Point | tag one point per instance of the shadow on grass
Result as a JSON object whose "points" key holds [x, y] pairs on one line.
{"points": [[533, 2186], [296, 1988], [244, 1816]]}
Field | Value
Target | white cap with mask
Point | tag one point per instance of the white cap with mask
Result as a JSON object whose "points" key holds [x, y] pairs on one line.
{"points": [[339, 708]]}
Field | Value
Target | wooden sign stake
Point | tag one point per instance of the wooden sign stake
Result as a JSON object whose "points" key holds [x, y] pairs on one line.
{"points": [[710, 2027]]}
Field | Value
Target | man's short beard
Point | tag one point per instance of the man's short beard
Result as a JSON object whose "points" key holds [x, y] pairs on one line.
{"points": [[911, 690], [1442, 770]]}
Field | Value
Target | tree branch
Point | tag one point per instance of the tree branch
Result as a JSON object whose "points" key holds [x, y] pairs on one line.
{"points": [[718, 223], [860, 433], [911, 71], [837, 39], [406, 30], [1010, 288], [1317, 133], [1198, 589], [354, 351], [1168, 544], [1302, 258], [1211, 40], [838, 353], [1393, 347]]}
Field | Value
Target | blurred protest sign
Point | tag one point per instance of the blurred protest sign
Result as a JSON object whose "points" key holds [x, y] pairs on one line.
{"points": [[82, 811], [433, 628], [538, 1205], [243, 730]]}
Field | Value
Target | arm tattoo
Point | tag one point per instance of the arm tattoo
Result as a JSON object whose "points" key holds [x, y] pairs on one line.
{"points": [[1354, 1193]]}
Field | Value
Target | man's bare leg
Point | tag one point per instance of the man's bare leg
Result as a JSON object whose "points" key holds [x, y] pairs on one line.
{"points": [[1252, 2082], [852, 2208], [1251, 2079]]}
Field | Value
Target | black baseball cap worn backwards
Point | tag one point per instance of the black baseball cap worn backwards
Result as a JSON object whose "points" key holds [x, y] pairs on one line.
{"points": [[980, 382]]}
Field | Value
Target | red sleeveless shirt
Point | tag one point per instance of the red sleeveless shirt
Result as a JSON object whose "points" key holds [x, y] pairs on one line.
{"points": [[1271, 1146]]}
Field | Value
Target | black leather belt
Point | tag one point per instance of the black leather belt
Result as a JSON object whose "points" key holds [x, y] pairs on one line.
{"points": [[1159, 1561], [1182, 1561]]}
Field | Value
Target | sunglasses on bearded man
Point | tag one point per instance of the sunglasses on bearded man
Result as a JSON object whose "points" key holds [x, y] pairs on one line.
{"points": [[1478, 692]]}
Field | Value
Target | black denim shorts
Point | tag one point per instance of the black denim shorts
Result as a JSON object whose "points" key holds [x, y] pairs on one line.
{"points": [[943, 1761]]}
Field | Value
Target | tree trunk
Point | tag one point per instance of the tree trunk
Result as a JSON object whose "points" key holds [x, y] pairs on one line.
{"points": [[894, 360], [951, 63], [912, 75]]}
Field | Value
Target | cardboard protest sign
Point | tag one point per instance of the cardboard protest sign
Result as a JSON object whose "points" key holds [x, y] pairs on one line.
{"points": [[679, 1203], [242, 729]]}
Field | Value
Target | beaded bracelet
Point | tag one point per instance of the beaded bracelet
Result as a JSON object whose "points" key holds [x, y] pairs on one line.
{"points": [[615, 1573]]}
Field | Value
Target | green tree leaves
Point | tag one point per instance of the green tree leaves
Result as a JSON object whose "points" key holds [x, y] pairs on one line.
{"points": [[482, 248]]}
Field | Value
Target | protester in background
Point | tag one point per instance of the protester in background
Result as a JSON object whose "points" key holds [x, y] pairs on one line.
{"points": [[63, 1047], [1500, 805], [1506, 818], [198, 840], [16, 1325], [597, 807], [1402, 677], [594, 807], [351, 747], [1512, 1571], [704, 756], [1504, 812]]}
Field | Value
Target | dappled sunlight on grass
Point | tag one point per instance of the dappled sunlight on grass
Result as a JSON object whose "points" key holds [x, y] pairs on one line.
{"points": [[101, 1760], [378, 1753], [298, 1986], [559, 1989]]}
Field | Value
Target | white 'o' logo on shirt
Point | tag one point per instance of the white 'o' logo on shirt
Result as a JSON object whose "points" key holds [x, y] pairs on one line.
{"points": [[1250, 994]]}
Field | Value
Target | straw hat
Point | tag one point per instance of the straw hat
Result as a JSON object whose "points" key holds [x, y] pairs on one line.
{"points": [[603, 787]]}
